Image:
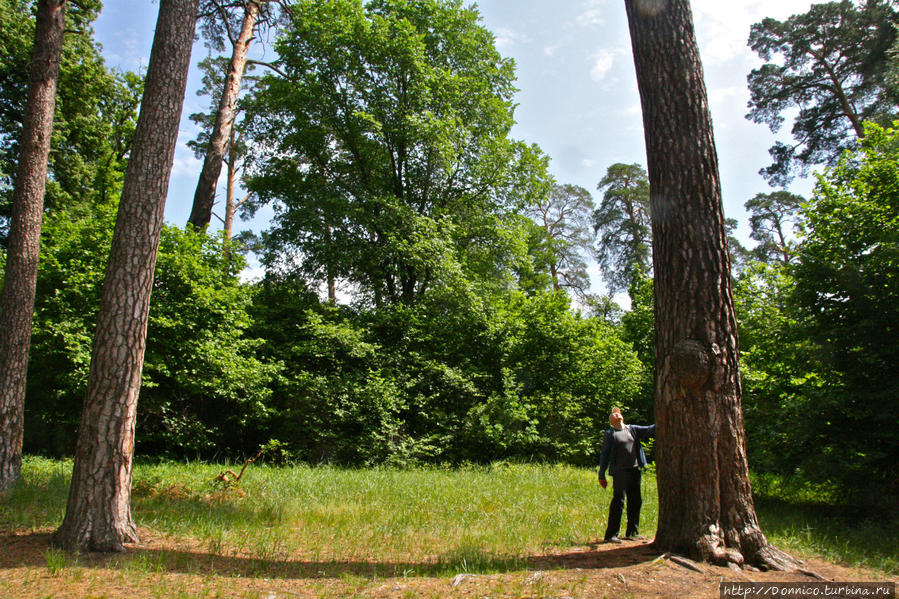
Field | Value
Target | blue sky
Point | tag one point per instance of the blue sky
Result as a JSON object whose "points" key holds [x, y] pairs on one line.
{"points": [[578, 98]]}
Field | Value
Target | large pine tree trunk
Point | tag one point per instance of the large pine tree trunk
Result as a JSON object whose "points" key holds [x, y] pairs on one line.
{"points": [[98, 514], [204, 196], [17, 299], [705, 501]]}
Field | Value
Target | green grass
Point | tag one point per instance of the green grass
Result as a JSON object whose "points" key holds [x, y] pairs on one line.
{"points": [[808, 520], [411, 522]]}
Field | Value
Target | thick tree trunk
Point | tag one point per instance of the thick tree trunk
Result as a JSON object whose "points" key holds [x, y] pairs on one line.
{"points": [[204, 196], [20, 279], [98, 514], [705, 501]]}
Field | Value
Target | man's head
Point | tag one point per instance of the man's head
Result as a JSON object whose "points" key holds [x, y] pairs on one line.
{"points": [[616, 419]]}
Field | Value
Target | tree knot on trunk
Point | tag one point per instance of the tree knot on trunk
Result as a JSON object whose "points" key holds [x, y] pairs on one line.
{"points": [[692, 363]]}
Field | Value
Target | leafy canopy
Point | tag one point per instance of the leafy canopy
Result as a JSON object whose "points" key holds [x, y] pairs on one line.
{"points": [[384, 146], [818, 334], [96, 111]]}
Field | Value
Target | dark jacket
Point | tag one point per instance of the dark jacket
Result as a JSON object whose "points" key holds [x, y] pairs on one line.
{"points": [[607, 457]]}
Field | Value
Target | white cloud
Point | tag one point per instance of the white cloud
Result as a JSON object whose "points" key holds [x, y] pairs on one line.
{"points": [[592, 14], [722, 28], [252, 275], [551, 50], [724, 95], [603, 60], [506, 37], [185, 163]]}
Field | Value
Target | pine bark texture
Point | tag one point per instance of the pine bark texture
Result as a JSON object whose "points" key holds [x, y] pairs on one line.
{"points": [[706, 509], [98, 514], [230, 201], [204, 196], [20, 279]]}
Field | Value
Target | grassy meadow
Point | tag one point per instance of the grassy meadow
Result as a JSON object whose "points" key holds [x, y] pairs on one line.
{"points": [[378, 523], [421, 521]]}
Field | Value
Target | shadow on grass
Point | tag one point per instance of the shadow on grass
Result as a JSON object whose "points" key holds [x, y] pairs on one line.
{"points": [[845, 534], [34, 550]]}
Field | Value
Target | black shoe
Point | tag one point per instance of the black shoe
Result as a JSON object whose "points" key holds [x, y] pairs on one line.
{"points": [[615, 540]]}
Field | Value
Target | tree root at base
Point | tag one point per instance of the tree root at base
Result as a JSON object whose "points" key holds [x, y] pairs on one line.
{"points": [[711, 549]]}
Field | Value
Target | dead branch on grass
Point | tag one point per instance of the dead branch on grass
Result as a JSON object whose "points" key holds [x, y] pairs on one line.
{"points": [[234, 479]]}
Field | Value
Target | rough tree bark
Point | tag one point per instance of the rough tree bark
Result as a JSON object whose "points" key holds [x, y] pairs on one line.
{"points": [[98, 514], [204, 196], [230, 201], [17, 299], [705, 502]]}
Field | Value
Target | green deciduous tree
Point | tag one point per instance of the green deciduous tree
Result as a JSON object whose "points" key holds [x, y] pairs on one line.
{"points": [[384, 146], [337, 401], [784, 381], [831, 64], [847, 281], [622, 223], [564, 373], [211, 399], [638, 329], [95, 114]]}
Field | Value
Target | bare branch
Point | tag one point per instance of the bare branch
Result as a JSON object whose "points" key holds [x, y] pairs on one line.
{"points": [[268, 65]]}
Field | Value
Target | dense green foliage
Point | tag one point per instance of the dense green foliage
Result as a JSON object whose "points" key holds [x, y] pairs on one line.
{"points": [[95, 111], [202, 381], [847, 280], [451, 379], [818, 335]]}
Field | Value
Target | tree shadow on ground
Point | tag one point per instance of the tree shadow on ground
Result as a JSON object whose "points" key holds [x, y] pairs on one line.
{"points": [[843, 533], [35, 550]]}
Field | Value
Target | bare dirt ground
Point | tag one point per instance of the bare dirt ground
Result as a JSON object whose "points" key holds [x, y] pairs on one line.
{"points": [[178, 568]]}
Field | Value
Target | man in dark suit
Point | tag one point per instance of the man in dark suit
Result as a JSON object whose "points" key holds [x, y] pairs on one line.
{"points": [[622, 455]]}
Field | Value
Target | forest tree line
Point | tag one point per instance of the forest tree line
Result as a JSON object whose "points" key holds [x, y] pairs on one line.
{"points": [[381, 137]]}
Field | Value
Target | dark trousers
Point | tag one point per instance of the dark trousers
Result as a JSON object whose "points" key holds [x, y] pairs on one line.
{"points": [[625, 483]]}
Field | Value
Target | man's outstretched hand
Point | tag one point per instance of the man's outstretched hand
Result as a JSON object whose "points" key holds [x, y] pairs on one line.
{"points": [[602, 482]]}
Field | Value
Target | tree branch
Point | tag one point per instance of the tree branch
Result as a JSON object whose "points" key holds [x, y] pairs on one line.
{"points": [[267, 64]]}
